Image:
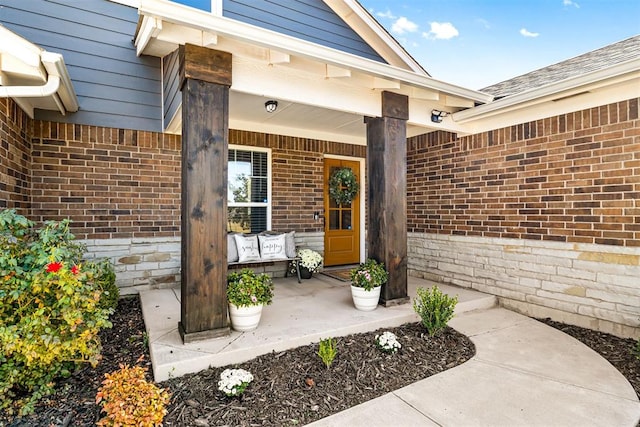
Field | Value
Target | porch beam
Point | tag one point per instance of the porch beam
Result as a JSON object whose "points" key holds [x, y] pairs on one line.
{"points": [[205, 79], [387, 175]]}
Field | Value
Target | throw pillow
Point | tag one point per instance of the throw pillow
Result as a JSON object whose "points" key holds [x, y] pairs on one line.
{"points": [[272, 247], [290, 244], [247, 248], [232, 249]]}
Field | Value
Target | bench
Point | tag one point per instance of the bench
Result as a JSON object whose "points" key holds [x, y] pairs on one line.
{"points": [[270, 261], [272, 247]]}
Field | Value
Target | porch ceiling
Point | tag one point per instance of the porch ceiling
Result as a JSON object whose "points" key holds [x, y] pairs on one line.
{"points": [[323, 93]]}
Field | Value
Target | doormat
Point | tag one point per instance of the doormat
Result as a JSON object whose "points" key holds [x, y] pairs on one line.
{"points": [[343, 274]]}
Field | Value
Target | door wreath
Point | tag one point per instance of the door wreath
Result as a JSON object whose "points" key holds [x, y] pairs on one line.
{"points": [[343, 186]]}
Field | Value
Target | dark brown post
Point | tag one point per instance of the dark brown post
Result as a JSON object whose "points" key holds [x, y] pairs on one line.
{"points": [[205, 79], [387, 174]]}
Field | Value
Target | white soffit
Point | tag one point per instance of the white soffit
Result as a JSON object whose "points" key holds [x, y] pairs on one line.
{"points": [[33, 77]]}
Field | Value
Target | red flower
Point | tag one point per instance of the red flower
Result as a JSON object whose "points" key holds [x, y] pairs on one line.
{"points": [[54, 267], [75, 269]]}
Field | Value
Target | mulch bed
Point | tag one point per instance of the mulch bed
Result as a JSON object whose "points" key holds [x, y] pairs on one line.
{"points": [[290, 388]]}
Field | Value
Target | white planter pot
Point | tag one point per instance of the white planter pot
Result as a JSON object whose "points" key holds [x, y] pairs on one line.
{"points": [[365, 300], [245, 319]]}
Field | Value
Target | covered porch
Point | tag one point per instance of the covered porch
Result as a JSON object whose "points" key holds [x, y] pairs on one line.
{"points": [[301, 314]]}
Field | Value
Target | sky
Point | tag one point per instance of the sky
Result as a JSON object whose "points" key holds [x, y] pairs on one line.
{"points": [[475, 43]]}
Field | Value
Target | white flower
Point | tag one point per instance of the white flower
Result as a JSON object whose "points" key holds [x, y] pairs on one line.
{"points": [[310, 259], [388, 342], [234, 381]]}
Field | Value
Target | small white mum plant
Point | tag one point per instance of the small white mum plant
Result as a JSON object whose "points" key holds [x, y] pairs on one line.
{"points": [[388, 342], [233, 382]]}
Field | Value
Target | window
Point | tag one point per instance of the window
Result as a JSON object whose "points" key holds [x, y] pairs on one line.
{"points": [[249, 190]]}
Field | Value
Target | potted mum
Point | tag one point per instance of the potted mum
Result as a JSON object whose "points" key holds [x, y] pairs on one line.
{"points": [[310, 262], [366, 281], [247, 293]]}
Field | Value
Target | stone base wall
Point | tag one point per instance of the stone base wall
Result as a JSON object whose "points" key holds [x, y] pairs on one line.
{"points": [[589, 285], [154, 263]]}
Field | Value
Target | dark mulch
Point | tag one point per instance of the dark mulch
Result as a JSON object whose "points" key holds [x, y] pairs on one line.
{"points": [[290, 388]]}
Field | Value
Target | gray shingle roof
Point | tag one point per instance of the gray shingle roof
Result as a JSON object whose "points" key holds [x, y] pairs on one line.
{"points": [[598, 59]]}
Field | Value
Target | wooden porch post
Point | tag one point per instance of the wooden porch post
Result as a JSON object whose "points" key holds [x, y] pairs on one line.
{"points": [[205, 78], [387, 175]]}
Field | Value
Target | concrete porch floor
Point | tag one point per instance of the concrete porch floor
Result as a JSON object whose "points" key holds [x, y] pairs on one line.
{"points": [[300, 314]]}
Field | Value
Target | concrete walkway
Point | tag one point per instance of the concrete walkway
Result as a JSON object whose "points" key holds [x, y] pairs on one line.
{"points": [[525, 373]]}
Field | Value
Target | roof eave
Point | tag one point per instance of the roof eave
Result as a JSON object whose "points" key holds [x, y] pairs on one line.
{"points": [[547, 92], [182, 15]]}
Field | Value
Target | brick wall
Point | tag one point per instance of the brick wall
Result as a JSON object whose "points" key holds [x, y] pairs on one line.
{"points": [[121, 188], [545, 215], [570, 178], [112, 183], [15, 161], [297, 175]]}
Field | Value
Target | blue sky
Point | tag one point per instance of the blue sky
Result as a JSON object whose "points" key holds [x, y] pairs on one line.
{"points": [[475, 43]]}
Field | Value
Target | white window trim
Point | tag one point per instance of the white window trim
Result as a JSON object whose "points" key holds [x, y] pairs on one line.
{"points": [[269, 180]]}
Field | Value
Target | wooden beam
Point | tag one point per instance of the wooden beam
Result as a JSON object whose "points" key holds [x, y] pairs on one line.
{"points": [[200, 63], [205, 138], [387, 177]]}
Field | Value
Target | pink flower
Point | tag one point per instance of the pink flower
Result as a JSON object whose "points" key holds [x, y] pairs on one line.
{"points": [[54, 267], [75, 269], [254, 299]]}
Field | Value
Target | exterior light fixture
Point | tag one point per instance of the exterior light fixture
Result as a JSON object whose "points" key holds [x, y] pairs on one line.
{"points": [[271, 106], [437, 116]]}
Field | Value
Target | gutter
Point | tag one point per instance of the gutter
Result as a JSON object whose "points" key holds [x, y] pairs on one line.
{"points": [[162, 10], [58, 84], [549, 92]]}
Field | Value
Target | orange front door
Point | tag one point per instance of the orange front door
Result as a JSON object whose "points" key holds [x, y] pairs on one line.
{"points": [[342, 221]]}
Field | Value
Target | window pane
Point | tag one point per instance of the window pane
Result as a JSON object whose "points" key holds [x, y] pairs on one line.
{"points": [[346, 219], [259, 190], [247, 219], [334, 220]]}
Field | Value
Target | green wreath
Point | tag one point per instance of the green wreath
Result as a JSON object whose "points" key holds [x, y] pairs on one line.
{"points": [[343, 186]]}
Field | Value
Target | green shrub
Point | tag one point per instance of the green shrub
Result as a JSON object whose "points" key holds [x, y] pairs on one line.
{"points": [[49, 310], [434, 308], [103, 277], [327, 351], [638, 350], [129, 399]]}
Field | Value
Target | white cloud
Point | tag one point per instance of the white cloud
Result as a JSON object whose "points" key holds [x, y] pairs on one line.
{"points": [[386, 14], [528, 33], [484, 23], [403, 25], [441, 30], [570, 3]]}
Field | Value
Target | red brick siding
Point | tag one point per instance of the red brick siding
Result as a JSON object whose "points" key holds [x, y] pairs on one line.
{"points": [[15, 133], [112, 183], [116, 183], [570, 178], [297, 175]]}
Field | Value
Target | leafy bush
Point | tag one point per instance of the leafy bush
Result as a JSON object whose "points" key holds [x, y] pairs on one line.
{"points": [[434, 308], [102, 276], [327, 351], [50, 314], [246, 288], [130, 400], [369, 275]]}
